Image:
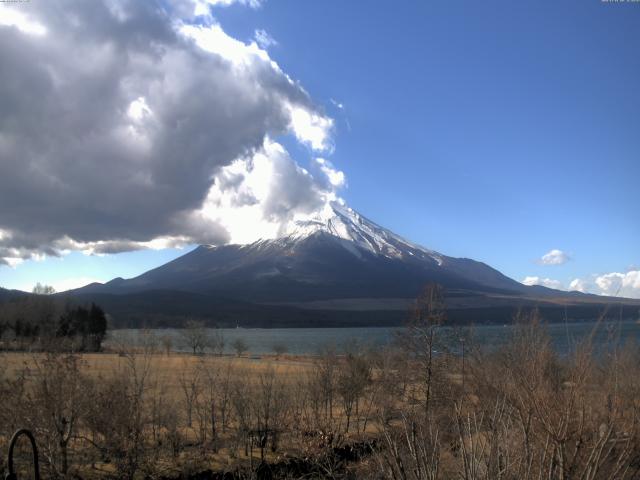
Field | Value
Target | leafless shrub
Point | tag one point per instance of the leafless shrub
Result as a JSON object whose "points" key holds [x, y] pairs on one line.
{"points": [[322, 385], [240, 346], [279, 349], [410, 451], [12, 392], [212, 402], [421, 341], [554, 417], [167, 344], [354, 377], [270, 406], [54, 406], [189, 381], [195, 337], [119, 418]]}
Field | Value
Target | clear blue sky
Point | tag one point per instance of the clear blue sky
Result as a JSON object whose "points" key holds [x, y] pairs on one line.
{"points": [[494, 130]]}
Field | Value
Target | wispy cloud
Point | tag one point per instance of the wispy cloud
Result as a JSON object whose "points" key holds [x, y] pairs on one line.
{"points": [[201, 7], [342, 110], [335, 177], [337, 104], [263, 39]]}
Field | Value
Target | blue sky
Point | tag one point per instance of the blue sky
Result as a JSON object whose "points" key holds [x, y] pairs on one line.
{"points": [[493, 130]]}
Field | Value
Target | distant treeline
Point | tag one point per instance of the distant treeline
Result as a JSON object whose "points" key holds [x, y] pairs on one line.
{"points": [[40, 321], [173, 309]]}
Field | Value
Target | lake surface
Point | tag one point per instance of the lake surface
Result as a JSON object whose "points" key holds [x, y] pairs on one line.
{"points": [[311, 340]]}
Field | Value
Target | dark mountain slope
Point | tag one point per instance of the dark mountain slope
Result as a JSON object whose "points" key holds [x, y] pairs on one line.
{"points": [[342, 263]]}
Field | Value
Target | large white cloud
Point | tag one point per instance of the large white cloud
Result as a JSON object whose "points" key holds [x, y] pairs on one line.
{"points": [[122, 119], [620, 284], [265, 194], [615, 284]]}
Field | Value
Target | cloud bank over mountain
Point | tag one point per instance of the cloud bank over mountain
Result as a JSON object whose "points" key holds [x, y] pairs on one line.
{"points": [[131, 125]]}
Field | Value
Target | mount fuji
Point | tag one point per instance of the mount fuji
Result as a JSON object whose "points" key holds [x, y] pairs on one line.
{"points": [[336, 269]]}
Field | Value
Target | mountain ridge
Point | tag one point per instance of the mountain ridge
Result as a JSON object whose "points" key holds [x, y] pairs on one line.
{"points": [[338, 261]]}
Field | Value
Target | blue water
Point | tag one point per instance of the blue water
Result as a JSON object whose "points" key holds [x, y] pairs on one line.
{"points": [[312, 340]]}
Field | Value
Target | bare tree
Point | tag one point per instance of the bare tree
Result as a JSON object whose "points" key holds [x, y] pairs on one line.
{"points": [[40, 289], [212, 404], [195, 336], [354, 376], [224, 392], [420, 339], [189, 381], [269, 404], [167, 344], [240, 400], [217, 342], [410, 451], [119, 416], [55, 406], [240, 346], [325, 378], [279, 349]]}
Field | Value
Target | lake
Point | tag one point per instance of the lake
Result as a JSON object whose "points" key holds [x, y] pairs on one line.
{"points": [[301, 341]]}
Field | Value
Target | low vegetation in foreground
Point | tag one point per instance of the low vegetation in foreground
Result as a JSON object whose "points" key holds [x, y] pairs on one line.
{"points": [[410, 411]]}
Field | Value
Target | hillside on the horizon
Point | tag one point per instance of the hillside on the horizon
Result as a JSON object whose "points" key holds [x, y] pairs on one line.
{"points": [[337, 270]]}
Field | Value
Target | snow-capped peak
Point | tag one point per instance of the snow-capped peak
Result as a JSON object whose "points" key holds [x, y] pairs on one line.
{"points": [[345, 223]]}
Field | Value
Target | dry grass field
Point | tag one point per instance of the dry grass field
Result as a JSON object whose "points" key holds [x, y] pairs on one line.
{"points": [[168, 368], [520, 411], [196, 412]]}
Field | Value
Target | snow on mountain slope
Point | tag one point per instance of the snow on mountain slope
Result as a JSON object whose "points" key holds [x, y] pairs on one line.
{"points": [[345, 223], [337, 268], [336, 261], [338, 253]]}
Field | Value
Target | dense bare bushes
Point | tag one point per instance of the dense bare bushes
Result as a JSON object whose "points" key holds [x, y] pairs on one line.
{"points": [[520, 411], [525, 413], [571, 417]]}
